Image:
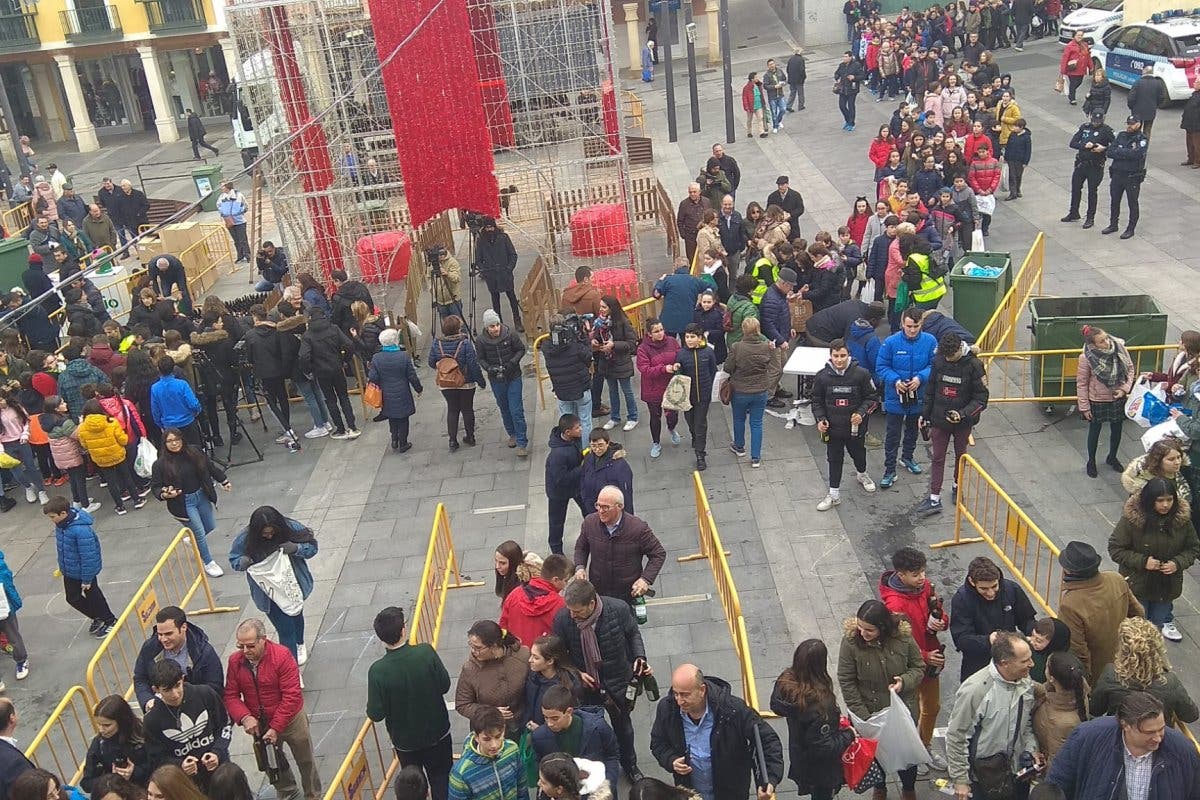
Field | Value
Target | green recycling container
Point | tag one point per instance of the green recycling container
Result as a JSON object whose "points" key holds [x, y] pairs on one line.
{"points": [[975, 298], [208, 185], [1057, 323], [14, 259]]}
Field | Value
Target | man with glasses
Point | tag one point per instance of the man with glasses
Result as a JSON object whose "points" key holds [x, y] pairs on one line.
{"points": [[625, 555], [264, 694]]}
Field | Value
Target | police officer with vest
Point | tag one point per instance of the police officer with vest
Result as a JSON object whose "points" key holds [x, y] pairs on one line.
{"points": [[1092, 141], [925, 277], [766, 271], [1126, 173]]}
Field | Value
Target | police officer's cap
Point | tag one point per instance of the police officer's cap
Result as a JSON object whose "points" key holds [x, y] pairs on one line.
{"points": [[1097, 115], [1133, 119]]}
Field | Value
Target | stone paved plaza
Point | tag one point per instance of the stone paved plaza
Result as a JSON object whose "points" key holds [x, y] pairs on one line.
{"points": [[799, 572]]}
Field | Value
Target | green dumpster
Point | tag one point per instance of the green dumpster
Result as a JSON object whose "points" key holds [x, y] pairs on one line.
{"points": [[14, 259], [977, 298], [1057, 324], [208, 185]]}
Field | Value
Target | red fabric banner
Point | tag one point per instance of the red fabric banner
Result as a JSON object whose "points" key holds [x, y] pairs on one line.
{"points": [[433, 90]]}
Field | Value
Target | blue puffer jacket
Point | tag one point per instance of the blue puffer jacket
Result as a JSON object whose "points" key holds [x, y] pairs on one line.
{"points": [[468, 360], [863, 344], [564, 466], [899, 360], [240, 560], [936, 323], [877, 258], [10, 586], [776, 317], [1091, 764], [78, 547]]}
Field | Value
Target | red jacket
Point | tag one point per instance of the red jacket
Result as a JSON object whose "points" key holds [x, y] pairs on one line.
{"points": [[857, 223], [984, 176], [972, 145], [748, 96], [45, 383], [125, 413], [880, 151], [1081, 54], [528, 611], [276, 690], [915, 606]]}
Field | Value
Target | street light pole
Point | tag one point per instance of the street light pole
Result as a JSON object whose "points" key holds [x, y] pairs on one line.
{"points": [[689, 28], [726, 70], [672, 132]]}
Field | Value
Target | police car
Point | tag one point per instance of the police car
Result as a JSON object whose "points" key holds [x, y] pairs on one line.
{"points": [[1169, 42], [1094, 18]]}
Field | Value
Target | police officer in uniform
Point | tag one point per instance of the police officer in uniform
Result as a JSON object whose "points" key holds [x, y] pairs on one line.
{"points": [[1092, 141], [1126, 173]]}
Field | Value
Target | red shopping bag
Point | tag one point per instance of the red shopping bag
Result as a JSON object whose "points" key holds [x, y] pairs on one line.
{"points": [[859, 767]]}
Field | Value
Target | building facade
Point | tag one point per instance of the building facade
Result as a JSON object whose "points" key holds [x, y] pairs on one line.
{"points": [[90, 70]]}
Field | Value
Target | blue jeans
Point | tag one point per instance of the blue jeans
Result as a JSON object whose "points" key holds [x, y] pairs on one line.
{"points": [[778, 109], [27, 473], [1159, 612], [512, 409], [614, 398], [265, 286], [891, 443], [201, 520], [581, 408], [846, 105], [314, 399], [290, 629], [754, 405]]}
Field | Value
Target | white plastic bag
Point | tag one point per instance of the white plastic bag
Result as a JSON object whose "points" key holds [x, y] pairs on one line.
{"points": [[1133, 406], [986, 203], [1004, 176], [718, 379], [899, 742], [143, 463], [1162, 431], [5, 608], [275, 576], [869, 288], [977, 241]]}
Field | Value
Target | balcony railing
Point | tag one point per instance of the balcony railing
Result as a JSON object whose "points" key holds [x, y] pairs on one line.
{"points": [[18, 31], [174, 15], [91, 24]]}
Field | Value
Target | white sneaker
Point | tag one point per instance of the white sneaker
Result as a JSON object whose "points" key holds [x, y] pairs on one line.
{"points": [[284, 439], [608, 426], [31, 494], [317, 432], [43, 498], [23, 670], [301, 655], [329, 427], [213, 570], [92, 507], [630, 425], [353, 433], [1169, 631], [829, 502], [866, 482]]}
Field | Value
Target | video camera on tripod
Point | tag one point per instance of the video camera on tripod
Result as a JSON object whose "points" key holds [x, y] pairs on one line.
{"points": [[433, 257]]}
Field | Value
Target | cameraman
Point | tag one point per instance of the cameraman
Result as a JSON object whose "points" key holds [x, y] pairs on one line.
{"points": [[500, 352], [273, 265], [445, 282], [218, 372], [496, 259], [568, 356]]}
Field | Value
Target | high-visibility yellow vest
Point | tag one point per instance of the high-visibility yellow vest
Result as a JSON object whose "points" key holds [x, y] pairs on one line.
{"points": [[760, 291], [931, 288]]}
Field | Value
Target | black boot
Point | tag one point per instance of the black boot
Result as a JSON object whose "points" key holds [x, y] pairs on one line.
{"points": [[1112, 228], [1088, 223], [701, 464], [1128, 234], [395, 442]]}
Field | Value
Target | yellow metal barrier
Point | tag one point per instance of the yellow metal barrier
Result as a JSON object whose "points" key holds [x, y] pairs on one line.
{"points": [[61, 745], [441, 566], [173, 581], [367, 769], [15, 220], [1000, 331], [712, 549], [202, 259], [1042, 376]]}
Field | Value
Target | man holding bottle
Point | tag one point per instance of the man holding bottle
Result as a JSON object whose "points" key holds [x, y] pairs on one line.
{"points": [[617, 551]]}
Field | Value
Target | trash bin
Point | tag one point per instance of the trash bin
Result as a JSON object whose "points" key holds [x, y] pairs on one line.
{"points": [[1056, 324], [977, 298], [14, 259], [208, 185]]}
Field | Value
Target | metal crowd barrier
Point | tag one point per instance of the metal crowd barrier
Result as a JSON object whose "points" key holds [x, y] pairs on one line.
{"points": [[17, 219], [1000, 332], [371, 762], [712, 549], [61, 745], [173, 581], [1042, 376]]}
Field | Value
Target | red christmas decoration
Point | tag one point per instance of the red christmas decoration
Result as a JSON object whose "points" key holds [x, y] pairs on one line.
{"points": [[384, 257], [599, 230]]}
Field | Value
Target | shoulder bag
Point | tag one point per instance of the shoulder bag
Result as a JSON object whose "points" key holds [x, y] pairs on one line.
{"points": [[993, 774]]}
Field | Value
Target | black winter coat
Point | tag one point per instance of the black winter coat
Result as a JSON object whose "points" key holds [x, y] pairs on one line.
{"points": [[501, 356], [620, 642], [1190, 121], [1098, 98], [824, 286], [837, 397], [497, 259], [797, 71], [564, 466], [396, 375], [835, 321], [350, 291], [265, 352], [955, 385], [367, 340], [140, 314], [815, 744], [973, 619], [322, 348], [220, 370], [731, 744], [699, 364], [1145, 96], [618, 363], [129, 210], [103, 753], [568, 364]]}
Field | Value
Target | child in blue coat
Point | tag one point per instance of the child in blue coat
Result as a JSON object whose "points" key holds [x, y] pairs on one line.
{"points": [[8, 625], [80, 563]]}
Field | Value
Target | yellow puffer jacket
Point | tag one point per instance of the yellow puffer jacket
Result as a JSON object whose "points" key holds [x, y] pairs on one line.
{"points": [[103, 439]]}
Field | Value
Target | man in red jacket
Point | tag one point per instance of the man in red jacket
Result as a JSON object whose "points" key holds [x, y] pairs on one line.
{"points": [[528, 611], [904, 589], [263, 694]]}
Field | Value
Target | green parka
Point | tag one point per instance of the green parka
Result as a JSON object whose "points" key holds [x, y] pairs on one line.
{"points": [[865, 669], [1165, 538]]}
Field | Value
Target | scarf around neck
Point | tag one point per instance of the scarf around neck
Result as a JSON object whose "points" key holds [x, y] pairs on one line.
{"points": [[587, 639], [1108, 366]]}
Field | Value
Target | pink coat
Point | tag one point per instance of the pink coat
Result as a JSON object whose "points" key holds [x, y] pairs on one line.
{"points": [[66, 450], [43, 190], [652, 359], [1089, 390], [126, 416]]}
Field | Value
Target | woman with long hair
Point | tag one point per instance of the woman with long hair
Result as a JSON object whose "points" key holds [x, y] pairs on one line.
{"points": [[1153, 544], [559, 777], [1061, 702], [170, 782], [183, 476], [508, 557], [269, 532], [878, 655], [1165, 459], [1102, 382], [14, 440], [494, 674], [860, 215], [140, 375], [367, 328], [454, 344], [1141, 665], [228, 782], [750, 222], [614, 343], [655, 362], [40, 784], [118, 748], [549, 665], [804, 696], [1184, 369], [313, 292]]}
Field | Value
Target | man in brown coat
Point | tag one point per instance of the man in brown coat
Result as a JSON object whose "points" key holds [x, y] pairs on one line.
{"points": [[691, 209], [617, 543], [1092, 606], [582, 296]]}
